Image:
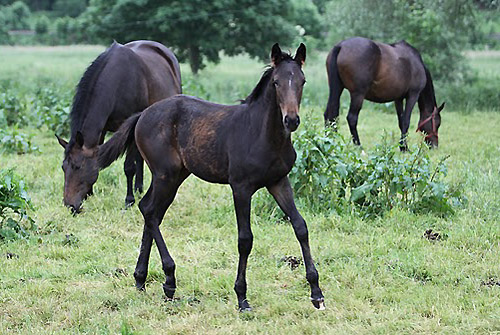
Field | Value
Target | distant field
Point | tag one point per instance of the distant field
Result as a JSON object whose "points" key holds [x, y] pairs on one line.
{"points": [[378, 276]]}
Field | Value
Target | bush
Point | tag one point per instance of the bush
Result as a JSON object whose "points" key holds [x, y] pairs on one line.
{"points": [[475, 94], [330, 173], [15, 223], [12, 110], [42, 25], [16, 16], [52, 109], [12, 141]]}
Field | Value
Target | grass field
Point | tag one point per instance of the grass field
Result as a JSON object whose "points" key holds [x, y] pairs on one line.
{"points": [[378, 276]]}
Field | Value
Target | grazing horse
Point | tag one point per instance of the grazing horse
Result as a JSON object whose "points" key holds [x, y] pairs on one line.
{"points": [[380, 73], [247, 146], [123, 80]]}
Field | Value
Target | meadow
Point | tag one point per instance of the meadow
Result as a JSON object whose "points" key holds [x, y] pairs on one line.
{"points": [[379, 275]]}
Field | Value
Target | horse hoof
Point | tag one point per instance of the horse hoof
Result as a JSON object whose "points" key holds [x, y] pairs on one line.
{"points": [[244, 306], [169, 292], [129, 202], [319, 304]]}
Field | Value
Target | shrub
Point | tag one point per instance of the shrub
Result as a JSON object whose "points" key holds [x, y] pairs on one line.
{"points": [[330, 173], [52, 109], [42, 25], [12, 141], [15, 223], [12, 110], [476, 94]]}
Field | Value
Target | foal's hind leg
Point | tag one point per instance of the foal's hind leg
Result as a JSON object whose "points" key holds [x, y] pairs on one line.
{"points": [[283, 194], [352, 117], [153, 207]]}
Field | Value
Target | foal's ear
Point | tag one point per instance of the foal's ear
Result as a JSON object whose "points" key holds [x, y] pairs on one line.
{"points": [[440, 108], [62, 142], [79, 138], [276, 55], [300, 55]]}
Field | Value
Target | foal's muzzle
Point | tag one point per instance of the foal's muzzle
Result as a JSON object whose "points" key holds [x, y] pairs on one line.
{"points": [[291, 123]]}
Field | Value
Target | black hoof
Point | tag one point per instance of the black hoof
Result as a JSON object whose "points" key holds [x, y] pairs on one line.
{"points": [[140, 285], [244, 306], [139, 189], [140, 282], [319, 304], [169, 292], [129, 202]]}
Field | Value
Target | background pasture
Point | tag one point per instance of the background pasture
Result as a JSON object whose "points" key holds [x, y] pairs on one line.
{"points": [[379, 275]]}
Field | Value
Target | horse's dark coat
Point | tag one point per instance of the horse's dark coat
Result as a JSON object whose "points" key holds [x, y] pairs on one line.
{"points": [[381, 72], [123, 80], [247, 146]]}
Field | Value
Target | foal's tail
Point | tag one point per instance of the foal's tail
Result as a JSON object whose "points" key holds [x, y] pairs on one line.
{"points": [[119, 143], [335, 85]]}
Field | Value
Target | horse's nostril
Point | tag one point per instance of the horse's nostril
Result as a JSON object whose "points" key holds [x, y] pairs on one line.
{"points": [[287, 120]]}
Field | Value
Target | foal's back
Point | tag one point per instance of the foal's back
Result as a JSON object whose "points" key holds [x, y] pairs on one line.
{"points": [[185, 132]]}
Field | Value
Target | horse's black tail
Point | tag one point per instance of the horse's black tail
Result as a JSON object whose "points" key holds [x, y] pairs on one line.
{"points": [[119, 143], [335, 85]]}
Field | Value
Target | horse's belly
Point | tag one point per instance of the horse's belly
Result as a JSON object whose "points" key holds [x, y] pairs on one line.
{"points": [[385, 91]]}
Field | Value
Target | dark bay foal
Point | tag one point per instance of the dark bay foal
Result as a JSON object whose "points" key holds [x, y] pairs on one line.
{"points": [[247, 146]]}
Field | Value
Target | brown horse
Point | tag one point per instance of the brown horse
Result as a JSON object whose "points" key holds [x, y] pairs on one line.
{"points": [[382, 72], [247, 146], [123, 80]]}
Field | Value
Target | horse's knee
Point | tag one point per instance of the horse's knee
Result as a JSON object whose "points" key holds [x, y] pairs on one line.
{"points": [[245, 242]]}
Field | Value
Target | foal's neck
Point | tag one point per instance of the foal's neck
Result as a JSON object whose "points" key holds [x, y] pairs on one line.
{"points": [[266, 116]]}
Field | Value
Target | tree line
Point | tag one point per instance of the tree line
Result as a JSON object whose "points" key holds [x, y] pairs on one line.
{"points": [[198, 30]]}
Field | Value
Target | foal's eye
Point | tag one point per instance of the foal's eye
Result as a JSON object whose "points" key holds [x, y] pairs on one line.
{"points": [[275, 83]]}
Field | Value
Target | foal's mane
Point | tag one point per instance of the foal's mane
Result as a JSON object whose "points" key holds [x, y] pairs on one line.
{"points": [[85, 89], [264, 80]]}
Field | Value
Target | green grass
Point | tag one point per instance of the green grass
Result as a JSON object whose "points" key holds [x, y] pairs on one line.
{"points": [[378, 276]]}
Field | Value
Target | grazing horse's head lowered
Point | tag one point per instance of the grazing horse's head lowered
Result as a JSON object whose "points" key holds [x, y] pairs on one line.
{"points": [[288, 81], [80, 171], [430, 126]]}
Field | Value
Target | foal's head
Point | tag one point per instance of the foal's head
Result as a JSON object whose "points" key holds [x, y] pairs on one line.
{"points": [[288, 80], [80, 171]]}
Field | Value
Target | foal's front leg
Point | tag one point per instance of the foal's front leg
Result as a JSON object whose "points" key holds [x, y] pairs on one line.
{"points": [[283, 194], [242, 198]]}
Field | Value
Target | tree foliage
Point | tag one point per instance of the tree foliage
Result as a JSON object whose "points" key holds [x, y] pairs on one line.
{"points": [[198, 30], [15, 16]]}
